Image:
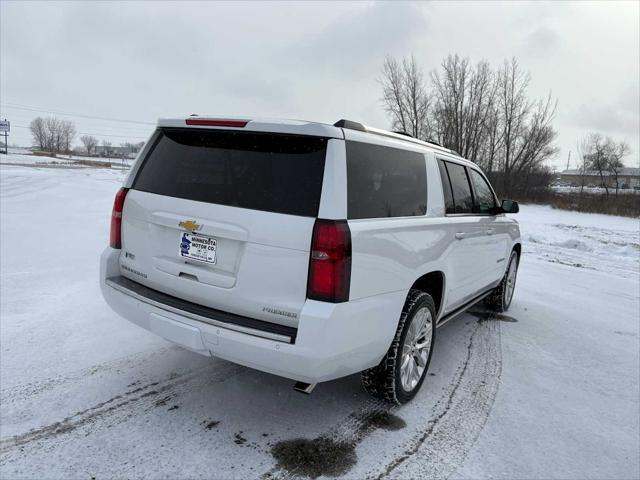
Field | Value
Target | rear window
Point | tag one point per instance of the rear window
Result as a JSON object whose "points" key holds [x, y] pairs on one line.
{"points": [[385, 182], [259, 171]]}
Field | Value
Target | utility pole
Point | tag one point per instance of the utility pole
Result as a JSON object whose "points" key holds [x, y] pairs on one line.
{"points": [[568, 159]]}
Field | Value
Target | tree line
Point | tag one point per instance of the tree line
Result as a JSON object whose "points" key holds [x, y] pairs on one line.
{"points": [[483, 113], [486, 114], [51, 134]]}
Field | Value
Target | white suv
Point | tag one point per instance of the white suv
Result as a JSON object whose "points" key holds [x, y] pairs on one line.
{"points": [[306, 250]]}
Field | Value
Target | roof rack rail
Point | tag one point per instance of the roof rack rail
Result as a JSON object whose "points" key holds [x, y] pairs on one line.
{"points": [[351, 125], [400, 132]]}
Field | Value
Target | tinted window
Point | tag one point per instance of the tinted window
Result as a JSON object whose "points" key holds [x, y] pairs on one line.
{"points": [[446, 188], [385, 182], [271, 172], [462, 198], [483, 196]]}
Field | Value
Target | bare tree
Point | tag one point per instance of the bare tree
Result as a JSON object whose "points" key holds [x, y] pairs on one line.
{"points": [[604, 155], [416, 98], [38, 132], [52, 134], [52, 128], [90, 143], [405, 96], [526, 127], [463, 104], [67, 134], [491, 145], [616, 152]]}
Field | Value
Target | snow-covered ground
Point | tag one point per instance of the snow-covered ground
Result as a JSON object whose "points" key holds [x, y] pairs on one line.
{"points": [[593, 241], [550, 390]]}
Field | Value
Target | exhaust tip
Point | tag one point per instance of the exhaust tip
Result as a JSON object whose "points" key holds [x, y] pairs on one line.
{"points": [[305, 388]]}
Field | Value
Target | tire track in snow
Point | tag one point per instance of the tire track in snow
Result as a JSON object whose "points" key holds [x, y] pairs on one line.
{"points": [[441, 448], [21, 391], [146, 395], [452, 426], [25, 186], [435, 450]]}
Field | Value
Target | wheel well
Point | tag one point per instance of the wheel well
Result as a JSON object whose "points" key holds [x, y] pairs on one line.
{"points": [[433, 284]]}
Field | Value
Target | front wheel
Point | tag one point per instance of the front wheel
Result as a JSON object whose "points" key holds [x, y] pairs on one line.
{"points": [[500, 298], [401, 372]]}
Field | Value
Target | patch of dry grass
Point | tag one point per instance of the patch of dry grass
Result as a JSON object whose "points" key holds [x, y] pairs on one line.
{"points": [[624, 205]]}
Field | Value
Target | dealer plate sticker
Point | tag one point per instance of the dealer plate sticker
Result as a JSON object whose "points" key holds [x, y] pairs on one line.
{"points": [[198, 247]]}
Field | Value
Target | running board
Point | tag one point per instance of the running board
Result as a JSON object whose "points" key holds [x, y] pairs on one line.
{"points": [[463, 308], [305, 388]]}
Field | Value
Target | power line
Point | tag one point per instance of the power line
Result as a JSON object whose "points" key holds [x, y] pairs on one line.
{"points": [[25, 118], [97, 134], [30, 108]]}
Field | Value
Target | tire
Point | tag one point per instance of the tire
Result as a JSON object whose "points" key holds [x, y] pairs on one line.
{"points": [[500, 299], [386, 381]]}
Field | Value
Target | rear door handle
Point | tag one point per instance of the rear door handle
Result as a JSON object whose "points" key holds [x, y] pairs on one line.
{"points": [[460, 235], [489, 231]]}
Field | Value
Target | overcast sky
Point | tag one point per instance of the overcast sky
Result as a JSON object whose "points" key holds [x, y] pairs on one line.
{"points": [[316, 61]]}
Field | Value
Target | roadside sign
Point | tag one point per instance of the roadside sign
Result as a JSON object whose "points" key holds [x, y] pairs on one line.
{"points": [[5, 126]]}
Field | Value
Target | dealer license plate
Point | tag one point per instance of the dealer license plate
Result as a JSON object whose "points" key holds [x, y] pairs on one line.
{"points": [[198, 247]]}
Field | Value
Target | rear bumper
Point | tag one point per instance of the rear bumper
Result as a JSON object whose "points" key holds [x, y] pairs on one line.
{"points": [[218, 318], [332, 340]]}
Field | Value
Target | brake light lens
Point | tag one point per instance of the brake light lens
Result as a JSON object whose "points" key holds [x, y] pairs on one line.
{"points": [[116, 218], [330, 262], [217, 123]]}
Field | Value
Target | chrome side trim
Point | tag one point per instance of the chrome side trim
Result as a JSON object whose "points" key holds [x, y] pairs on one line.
{"points": [[199, 318]]}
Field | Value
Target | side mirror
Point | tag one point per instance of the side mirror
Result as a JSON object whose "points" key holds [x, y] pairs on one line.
{"points": [[510, 206]]}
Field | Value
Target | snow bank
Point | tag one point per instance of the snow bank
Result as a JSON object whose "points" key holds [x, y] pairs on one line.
{"points": [[586, 240]]}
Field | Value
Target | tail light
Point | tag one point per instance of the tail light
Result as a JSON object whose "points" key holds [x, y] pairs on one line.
{"points": [[330, 262], [116, 218]]}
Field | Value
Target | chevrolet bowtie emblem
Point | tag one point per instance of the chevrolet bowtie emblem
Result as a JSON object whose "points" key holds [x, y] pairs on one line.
{"points": [[190, 225]]}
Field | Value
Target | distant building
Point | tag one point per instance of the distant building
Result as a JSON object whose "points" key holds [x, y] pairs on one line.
{"points": [[113, 151], [628, 177]]}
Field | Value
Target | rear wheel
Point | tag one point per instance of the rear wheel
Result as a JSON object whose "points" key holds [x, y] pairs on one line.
{"points": [[500, 298], [401, 372]]}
